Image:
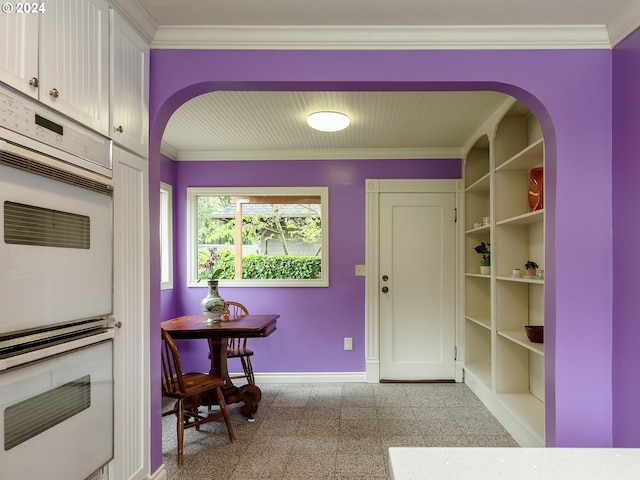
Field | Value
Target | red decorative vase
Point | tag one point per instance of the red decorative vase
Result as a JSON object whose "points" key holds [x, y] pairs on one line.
{"points": [[535, 195]]}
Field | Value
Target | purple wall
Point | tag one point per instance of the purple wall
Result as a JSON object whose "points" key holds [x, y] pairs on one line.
{"points": [[569, 91], [626, 198], [169, 298], [313, 321]]}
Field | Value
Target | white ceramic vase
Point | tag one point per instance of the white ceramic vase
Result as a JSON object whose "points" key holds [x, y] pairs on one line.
{"points": [[213, 304]]}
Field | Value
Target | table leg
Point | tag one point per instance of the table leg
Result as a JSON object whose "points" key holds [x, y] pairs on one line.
{"points": [[250, 395]]}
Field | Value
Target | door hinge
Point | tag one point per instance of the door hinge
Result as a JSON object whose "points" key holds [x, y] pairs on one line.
{"points": [[455, 353], [455, 216]]}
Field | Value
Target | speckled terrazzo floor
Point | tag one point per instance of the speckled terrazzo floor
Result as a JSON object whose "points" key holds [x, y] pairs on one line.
{"points": [[332, 431]]}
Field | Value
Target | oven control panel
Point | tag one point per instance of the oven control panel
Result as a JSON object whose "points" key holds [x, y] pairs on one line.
{"points": [[26, 117]]}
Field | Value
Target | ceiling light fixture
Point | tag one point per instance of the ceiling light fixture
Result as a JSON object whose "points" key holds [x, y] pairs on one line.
{"points": [[328, 121]]}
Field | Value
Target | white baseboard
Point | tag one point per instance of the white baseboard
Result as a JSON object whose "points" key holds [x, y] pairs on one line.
{"points": [[309, 377], [459, 372], [373, 370], [519, 433], [324, 377]]}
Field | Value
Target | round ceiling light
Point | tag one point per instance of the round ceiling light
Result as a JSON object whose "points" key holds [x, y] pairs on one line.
{"points": [[328, 121]]}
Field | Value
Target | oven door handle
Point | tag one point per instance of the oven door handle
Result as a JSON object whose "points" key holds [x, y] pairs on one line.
{"points": [[45, 352], [113, 323]]}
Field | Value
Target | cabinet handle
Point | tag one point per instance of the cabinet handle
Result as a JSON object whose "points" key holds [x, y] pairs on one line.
{"points": [[34, 82], [385, 289], [119, 129], [54, 93]]}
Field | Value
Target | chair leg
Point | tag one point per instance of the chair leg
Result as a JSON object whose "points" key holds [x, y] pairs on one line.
{"points": [[180, 430], [248, 370], [194, 410], [225, 414]]}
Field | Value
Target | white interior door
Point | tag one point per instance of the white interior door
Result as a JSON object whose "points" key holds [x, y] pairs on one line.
{"points": [[417, 298]]}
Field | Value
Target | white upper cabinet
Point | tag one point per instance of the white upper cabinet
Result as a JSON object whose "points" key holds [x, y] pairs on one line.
{"points": [[74, 60], [61, 58], [19, 55], [82, 59], [129, 87]]}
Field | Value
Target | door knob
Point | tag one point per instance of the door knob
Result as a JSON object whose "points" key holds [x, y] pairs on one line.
{"points": [[385, 289], [385, 278]]}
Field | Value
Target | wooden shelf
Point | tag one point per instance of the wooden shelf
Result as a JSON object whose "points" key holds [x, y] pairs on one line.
{"points": [[481, 185], [509, 278], [528, 410], [478, 275], [482, 320], [529, 218], [481, 371], [525, 160], [484, 229], [520, 337]]}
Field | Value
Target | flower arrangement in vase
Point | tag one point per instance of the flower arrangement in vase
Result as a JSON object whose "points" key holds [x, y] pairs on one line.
{"points": [[213, 304]]}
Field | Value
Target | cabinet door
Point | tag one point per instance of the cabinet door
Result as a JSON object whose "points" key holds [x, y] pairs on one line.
{"points": [[19, 60], [74, 61], [129, 87], [131, 307]]}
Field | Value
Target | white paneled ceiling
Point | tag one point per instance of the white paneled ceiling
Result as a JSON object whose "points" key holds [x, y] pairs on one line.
{"points": [[267, 125], [264, 125]]}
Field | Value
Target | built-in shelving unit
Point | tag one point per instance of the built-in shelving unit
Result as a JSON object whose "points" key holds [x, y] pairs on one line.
{"points": [[504, 368]]}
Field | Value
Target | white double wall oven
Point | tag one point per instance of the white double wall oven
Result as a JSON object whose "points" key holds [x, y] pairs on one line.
{"points": [[56, 294]]}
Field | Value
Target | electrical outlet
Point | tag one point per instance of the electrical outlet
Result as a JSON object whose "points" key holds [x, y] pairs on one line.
{"points": [[360, 270], [348, 343]]}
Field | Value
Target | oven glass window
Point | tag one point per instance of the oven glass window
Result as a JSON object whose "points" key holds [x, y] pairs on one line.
{"points": [[29, 225], [53, 407]]}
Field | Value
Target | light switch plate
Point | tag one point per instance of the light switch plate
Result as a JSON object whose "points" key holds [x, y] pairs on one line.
{"points": [[360, 271]]}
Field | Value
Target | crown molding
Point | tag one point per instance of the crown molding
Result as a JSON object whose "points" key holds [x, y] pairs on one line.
{"points": [[313, 154], [624, 23], [490, 37], [168, 150], [137, 16]]}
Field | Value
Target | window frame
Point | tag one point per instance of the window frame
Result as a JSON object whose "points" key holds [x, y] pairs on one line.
{"points": [[192, 238], [166, 236]]}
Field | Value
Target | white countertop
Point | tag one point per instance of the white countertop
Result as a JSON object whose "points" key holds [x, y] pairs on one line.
{"points": [[514, 463]]}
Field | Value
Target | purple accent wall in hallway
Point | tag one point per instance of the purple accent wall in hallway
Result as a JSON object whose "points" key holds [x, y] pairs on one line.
{"points": [[626, 238]]}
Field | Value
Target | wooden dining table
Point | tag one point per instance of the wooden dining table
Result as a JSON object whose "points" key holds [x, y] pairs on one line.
{"points": [[217, 333]]}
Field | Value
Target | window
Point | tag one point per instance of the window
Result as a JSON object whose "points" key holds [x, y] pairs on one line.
{"points": [[166, 236], [263, 236]]}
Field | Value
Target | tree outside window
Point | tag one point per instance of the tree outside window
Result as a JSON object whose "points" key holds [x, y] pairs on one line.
{"points": [[263, 236]]}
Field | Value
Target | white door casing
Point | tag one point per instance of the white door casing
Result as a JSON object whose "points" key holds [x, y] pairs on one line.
{"points": [[373, 284]]}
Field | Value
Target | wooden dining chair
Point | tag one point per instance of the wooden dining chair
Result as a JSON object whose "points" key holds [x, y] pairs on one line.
{"points": [[187, 388], [237, 347]]}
